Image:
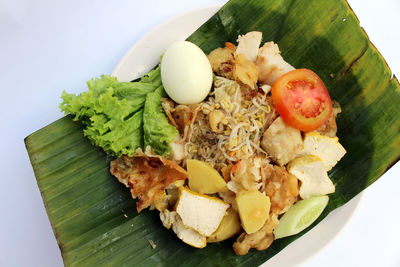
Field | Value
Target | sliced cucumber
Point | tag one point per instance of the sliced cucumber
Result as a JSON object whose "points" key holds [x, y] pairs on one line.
{"points": [[300, 216]]}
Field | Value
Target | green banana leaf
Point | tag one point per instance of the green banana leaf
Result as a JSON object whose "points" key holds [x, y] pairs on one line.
{"points": [[93, 216]]}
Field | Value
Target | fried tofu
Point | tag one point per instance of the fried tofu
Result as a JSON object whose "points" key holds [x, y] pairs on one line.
{"points": [[327, 148], [199, 212], [313, 176], [270, 64], [187, 235], [282, 142], [249, 44]]}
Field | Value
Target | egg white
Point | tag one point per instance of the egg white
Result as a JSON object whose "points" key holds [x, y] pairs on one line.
{"points": [[186, 73]]}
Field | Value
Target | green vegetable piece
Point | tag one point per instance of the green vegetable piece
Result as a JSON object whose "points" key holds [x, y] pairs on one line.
{"points": [[300, 216], [153, 77], [112, 113], [158, 133]]}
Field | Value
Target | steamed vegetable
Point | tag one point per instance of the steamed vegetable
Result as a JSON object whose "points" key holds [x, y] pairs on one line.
{"points": [[113, 114]]}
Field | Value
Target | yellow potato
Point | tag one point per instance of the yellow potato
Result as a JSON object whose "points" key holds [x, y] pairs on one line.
{"points": [[253, 207], [230, 226], [204, 179]]}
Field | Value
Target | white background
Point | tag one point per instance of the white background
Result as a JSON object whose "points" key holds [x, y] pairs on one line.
{"points": [[48, 46]]}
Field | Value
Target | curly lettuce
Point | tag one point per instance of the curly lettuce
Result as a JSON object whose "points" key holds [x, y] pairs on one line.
{"points": [[158, 133], [117, 115]]}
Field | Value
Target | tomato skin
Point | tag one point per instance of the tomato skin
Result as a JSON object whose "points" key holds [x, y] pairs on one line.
{"points": [[302, 100]]}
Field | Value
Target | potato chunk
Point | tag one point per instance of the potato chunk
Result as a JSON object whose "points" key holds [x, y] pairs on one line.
{"points": [[253, 207], [204, 179], [230, 226]]}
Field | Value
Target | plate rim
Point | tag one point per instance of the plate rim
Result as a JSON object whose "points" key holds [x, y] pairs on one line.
{"points": [[156, 28]]}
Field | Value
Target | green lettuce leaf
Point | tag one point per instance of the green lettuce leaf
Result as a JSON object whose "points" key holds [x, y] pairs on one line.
{"points": [[153, 77], [112, 113], [158, 133]]}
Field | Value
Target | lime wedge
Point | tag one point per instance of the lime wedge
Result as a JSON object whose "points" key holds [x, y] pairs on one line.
{"points": [[300, 216]]}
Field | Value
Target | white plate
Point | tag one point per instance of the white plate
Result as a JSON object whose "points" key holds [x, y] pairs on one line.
{"points": [[145, 54]]}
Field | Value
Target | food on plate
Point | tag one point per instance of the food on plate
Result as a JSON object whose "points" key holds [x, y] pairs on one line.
{"points": [[229, 227], [249, 44], [184, 66], [200, 212], [281, 187], [329, 128], [186, 234], [327, 148], [259, 240], [157, 132], [246, 174], [222, 60], [147, 175], [300, 216], [245, 71], [246, 152], [270, 64], [253, 208], [310, 170], [203, 178], [282, 142], [115, 114], [172, 192], [225, 62], [302, 100]]}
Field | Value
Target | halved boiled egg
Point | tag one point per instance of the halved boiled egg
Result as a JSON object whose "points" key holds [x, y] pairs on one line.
{"points": [[186, 73]]}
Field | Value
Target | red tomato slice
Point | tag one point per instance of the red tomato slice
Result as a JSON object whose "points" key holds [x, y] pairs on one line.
{"points": [[302, 100]]}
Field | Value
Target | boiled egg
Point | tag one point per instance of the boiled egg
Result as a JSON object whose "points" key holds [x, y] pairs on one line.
{"points": [[186, 73]]}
